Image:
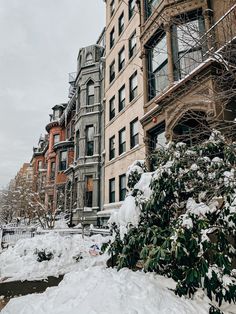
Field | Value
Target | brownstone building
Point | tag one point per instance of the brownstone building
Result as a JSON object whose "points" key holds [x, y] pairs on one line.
{"points": [[189, 57], [56, 159], [39, 165]]}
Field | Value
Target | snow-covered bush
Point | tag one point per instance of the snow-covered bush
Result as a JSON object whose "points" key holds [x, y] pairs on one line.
{"points": [[187, 225], [43, 255]]}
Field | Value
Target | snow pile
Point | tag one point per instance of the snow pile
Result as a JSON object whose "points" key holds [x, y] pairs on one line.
{"points": [[97, 290], [21, 262], [61, 224]]}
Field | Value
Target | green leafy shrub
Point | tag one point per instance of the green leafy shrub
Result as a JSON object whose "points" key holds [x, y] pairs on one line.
{"points": [[187, 227]]}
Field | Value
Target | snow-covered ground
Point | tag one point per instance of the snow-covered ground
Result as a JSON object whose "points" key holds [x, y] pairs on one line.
{"points": [[97, 290], [89, 287], [20, 261]]}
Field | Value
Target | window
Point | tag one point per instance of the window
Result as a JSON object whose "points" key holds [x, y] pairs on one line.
{"points": [[77, 145], [121, 59], [40, 164], [112, 7], [158, 66], [150, 6], [62, 161], [112, 191], [121, 98], [187, 48], [88, 191], [56, 139], [131, 8], [122, 141], [112, 147], [112, 37], [122, 187], [56, 114], [121, 23], [75, 193], [89, 140], [78, 100], [112, 108], [132, 45], [53, 170], [157, 137], [112, 71], [90, 93], [89, 58], [134, 133], [133, 86]]}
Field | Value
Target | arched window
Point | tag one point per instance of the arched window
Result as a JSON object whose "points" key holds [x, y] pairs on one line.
{"points": [[192, 128], [90, 93], [89, 58]]}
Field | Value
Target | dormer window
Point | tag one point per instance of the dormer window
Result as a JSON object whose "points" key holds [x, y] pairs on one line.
{"points": [[56, 114], [89, 58]]}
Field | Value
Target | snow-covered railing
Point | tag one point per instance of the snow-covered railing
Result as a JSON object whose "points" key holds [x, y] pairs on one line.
{"points": [[9, 235]]}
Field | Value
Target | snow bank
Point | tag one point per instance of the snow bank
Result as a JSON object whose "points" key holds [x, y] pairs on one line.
{"points": [[97, 290], [20, 262]]}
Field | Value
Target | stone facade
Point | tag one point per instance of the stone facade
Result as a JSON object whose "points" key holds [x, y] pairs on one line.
{"points": [[123, 99], [89, 135], [184, 47]]}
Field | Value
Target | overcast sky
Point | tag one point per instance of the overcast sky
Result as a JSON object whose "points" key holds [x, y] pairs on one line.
{"points": [[40, 40]]}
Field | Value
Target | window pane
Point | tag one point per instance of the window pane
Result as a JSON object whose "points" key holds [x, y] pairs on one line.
{"points": [[63, 155], [90, 89], [134, 140], [121, 58], [131, 8], [122, 141], [89, 191], [56, 138], [132, 45], [112, 71], [189, 61], [121, 23], [122, 187], [112, 147], [134, 81], [159, 54], [161, 78], [112, 38], [63, 159], [90, 133], [188, 35], [56, 114], [112, 7], [112, 108], [112, 190], [89, 184]]}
